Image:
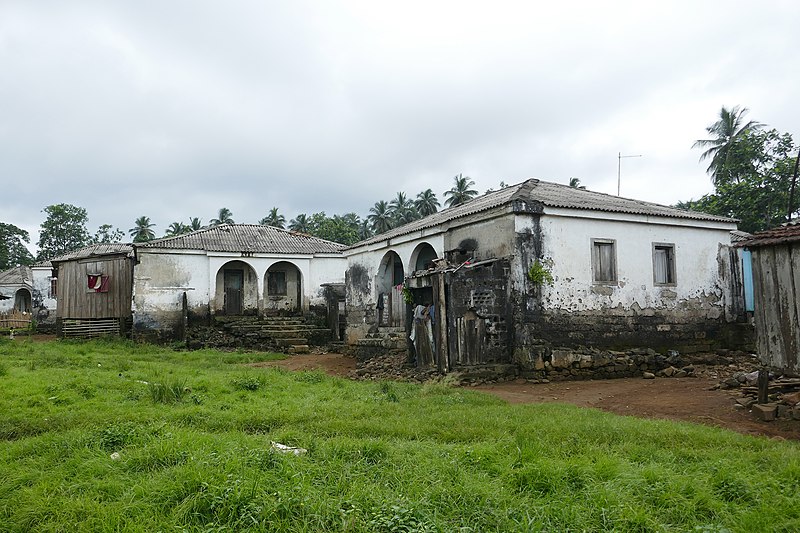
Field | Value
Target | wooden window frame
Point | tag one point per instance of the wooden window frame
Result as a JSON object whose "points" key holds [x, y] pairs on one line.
{"points": [[672, 274], [596, 244]]}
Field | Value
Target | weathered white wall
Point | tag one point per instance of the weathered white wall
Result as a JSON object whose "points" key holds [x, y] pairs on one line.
{"points": [[159, 281], [44, 306], [566, 237], [161, 277]]}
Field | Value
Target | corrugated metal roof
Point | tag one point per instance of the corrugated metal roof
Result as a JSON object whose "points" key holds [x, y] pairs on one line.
{"points": [[739, 236], [251, 238], [784, 234], [558, 195], [550, 195], [18, 275], [95, 250], [476, 205]]}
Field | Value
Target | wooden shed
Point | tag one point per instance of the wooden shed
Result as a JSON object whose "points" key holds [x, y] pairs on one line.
{"points": [[95, 286], [776, 282]]}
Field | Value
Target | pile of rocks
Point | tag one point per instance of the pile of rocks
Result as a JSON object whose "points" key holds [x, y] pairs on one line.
{"points": [[783, 395], [395, 366]]}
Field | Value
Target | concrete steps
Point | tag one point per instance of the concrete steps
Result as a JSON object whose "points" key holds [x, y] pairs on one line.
{"points": [[287, 333]]}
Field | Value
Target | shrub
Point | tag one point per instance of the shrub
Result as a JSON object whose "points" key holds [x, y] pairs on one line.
{"points": [[171, 392], [540, 274]]}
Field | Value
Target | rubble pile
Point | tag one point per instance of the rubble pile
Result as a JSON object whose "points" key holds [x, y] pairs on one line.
{"points": [[783, 395], [393, 366]]}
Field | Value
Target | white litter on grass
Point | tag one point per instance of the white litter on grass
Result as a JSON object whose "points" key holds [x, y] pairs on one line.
{"points": [[282, 448], [115, 456]]}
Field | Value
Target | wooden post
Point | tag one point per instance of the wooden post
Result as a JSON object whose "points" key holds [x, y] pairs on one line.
{"points": [[442, 343], [763, 384]]}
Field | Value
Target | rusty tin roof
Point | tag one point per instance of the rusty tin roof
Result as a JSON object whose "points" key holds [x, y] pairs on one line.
{"points": [[783, 234]]}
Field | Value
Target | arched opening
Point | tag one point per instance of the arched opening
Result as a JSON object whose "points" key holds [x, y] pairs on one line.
{"points": [[236, 289], [283, 288], [22, 301], [423, 257], [389, 289]]}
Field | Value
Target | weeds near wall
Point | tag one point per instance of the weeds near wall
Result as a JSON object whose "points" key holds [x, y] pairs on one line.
{"points": [[539, 274]]}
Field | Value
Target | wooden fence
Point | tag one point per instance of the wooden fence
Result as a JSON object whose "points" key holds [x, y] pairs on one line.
{"points": [[15, 320]]}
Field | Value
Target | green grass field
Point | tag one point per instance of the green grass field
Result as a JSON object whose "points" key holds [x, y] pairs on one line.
{"points": [[194, 454]]}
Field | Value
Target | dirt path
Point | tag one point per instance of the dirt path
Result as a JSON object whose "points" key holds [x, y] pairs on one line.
{"points": [[687, 399]]}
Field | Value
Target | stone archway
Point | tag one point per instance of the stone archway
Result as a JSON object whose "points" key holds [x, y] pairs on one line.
{"points": [[389, 291], [283, 288], [422, 257], [236, 289], [22, 301]]}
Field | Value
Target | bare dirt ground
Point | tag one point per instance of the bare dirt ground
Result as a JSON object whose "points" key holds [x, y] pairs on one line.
{"points": [[688, 399]]}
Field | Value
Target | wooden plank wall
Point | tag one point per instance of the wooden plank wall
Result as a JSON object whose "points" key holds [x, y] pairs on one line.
{"points": [[75, 300], [776, 281]]}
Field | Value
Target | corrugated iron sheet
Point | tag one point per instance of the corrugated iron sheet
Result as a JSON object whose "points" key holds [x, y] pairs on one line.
{"points": [[249, 238], [783, 234], [550, 195]]}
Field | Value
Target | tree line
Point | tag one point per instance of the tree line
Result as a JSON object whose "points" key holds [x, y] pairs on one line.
{"points": [[753, 169], [65, 226]]}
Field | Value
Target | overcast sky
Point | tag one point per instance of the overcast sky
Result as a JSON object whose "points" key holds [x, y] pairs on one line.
{"points": [[173, 109]]}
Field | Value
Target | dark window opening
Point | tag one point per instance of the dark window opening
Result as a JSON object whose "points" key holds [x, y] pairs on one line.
{"points": [[276, 283], [664, 264]]}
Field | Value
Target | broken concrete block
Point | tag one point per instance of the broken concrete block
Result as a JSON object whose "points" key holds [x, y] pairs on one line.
{"points": [[669, 371], [765, 411], [745, 402], [792, 398]]}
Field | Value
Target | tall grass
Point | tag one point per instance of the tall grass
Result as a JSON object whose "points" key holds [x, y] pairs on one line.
{"points": [[85, 444]]}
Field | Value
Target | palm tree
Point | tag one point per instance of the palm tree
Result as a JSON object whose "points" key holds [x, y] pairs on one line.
{"points": [[223, 217], [274, 219], [195, 224], [726, 132], [300, 224], [402, 209], [575, 183], [461, 192], [426, 203], [380, 217], [364, 230], [177, 228], [142, 231]]}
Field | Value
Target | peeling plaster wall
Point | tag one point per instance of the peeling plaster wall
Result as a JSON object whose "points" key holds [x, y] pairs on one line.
{"points": [[159, 281], [494, 238], [161, 278], [362, 269], [44, 306], [634, 311]]}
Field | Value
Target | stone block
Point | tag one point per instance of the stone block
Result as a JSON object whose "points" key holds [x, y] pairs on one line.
{"points": [[765, 411], [648, 375], [784, 411], [796, 412]]}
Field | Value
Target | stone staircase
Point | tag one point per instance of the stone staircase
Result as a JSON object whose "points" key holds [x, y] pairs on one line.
{"points": [[384, 340], [289, 334]]}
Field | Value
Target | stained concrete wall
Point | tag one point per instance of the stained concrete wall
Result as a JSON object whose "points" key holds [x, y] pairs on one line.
{"points": [[162, 277], [633, 311], [44, 304], [692, 314], [364, 269]]}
